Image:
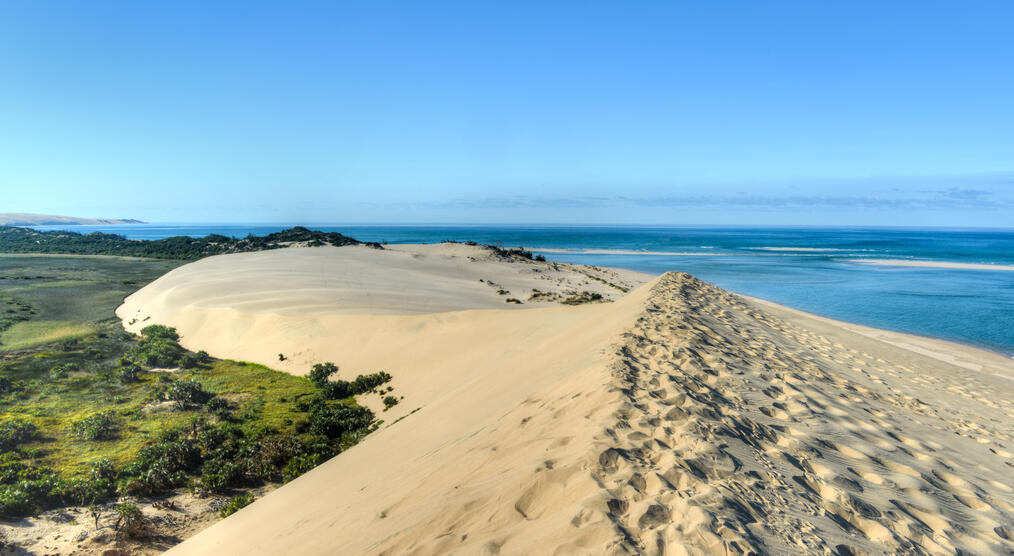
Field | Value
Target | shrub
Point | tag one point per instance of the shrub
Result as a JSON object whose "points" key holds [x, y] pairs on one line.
{"points": [[61, 371], [5, 385], [128, 373], [162, 465], [188, 392], [236, 503], [366, 383], [100, 426], [334, 420], [103, 469], [83, 491], [158, 331], [218, 406], [130, 520], [217, 475], [188, 361], [157, 352], [321, 372], [341, 389], [389, 402], [300, 464], [14, 432], [202, 357]]}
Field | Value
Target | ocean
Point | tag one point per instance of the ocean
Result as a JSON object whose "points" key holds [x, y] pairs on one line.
{"points": [[812, 269]]}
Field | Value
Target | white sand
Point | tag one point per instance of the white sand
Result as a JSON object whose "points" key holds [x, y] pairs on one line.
{"points": [[933, 264], [680, 417], [619, 252]]}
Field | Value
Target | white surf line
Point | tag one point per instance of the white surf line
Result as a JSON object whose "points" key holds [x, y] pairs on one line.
{"points": [[802, 249], [933, 264], [622, 252]]}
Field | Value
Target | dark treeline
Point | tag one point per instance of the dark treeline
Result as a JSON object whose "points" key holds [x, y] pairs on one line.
{"points": [[26, 240]]}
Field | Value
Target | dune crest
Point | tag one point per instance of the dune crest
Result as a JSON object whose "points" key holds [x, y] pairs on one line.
{"points": [[680, 419], [743, 433]]}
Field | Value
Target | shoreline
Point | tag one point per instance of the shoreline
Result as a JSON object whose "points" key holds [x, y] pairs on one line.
{"points": [[967, 356], [667, 417]]}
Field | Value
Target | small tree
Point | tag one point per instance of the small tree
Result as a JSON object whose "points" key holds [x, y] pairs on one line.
{"points": [[188, 392], [159, 331], [321, 372], [128, 373], [188, 361], [100, 426], [130, 520]]}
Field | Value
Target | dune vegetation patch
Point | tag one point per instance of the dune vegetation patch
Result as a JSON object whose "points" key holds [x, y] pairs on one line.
{"points": [[90, 414], [77, 429]]}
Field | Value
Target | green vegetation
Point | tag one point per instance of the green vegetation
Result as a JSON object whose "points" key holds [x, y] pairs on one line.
{"points": [[130, 520], [606, 282], [236, 503], [335, 390], [583, 297], [62, 299], [27, 240], [88, 417], [100, 426], [218, 426]]}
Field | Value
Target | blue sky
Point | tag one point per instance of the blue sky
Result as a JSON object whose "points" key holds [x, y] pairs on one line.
{"points": [[625, 112]]}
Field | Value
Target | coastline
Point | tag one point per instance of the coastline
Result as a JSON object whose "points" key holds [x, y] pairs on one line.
{"points": [[971, 357], [656, 418]]}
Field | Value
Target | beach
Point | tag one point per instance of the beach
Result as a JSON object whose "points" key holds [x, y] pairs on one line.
{"points": [[665, 415]]}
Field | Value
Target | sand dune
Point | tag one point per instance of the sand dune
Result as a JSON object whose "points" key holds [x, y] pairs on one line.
{"points": [[680, 419]]}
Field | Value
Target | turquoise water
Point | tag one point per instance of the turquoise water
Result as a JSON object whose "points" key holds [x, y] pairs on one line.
{"points": [[975, 307]]}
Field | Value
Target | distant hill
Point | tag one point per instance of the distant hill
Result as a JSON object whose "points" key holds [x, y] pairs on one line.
{"points": [[15, 239], [29, 219]]}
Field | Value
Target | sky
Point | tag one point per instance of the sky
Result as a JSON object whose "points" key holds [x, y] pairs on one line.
{"points": [[674, 113]]}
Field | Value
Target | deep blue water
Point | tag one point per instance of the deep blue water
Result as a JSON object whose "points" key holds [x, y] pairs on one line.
{"points": [[970, 306]]}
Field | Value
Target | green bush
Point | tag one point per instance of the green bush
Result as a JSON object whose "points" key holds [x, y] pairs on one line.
{"points": [[236, 503], [334, 420], [60, 371], [158, 331], [128, 373], [300, 464], [188, 392], [100, 426], [389, 402], [157, 352], [219, 407], [14, 432], [341, 389], [321, 372], [103, 469], [188, 361], [130, 520]]}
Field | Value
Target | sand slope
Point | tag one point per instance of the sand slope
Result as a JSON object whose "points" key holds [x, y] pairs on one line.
{"points": [[680, 419]]}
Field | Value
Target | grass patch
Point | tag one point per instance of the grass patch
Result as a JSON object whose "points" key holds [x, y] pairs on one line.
{"points": [[32, 333], [83, 419]]}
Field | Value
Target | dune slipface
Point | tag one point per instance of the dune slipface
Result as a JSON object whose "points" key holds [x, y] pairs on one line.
{"points": [[679, 419]]}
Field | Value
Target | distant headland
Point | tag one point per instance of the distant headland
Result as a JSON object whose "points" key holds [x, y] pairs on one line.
{"points": [[29, 219]]}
